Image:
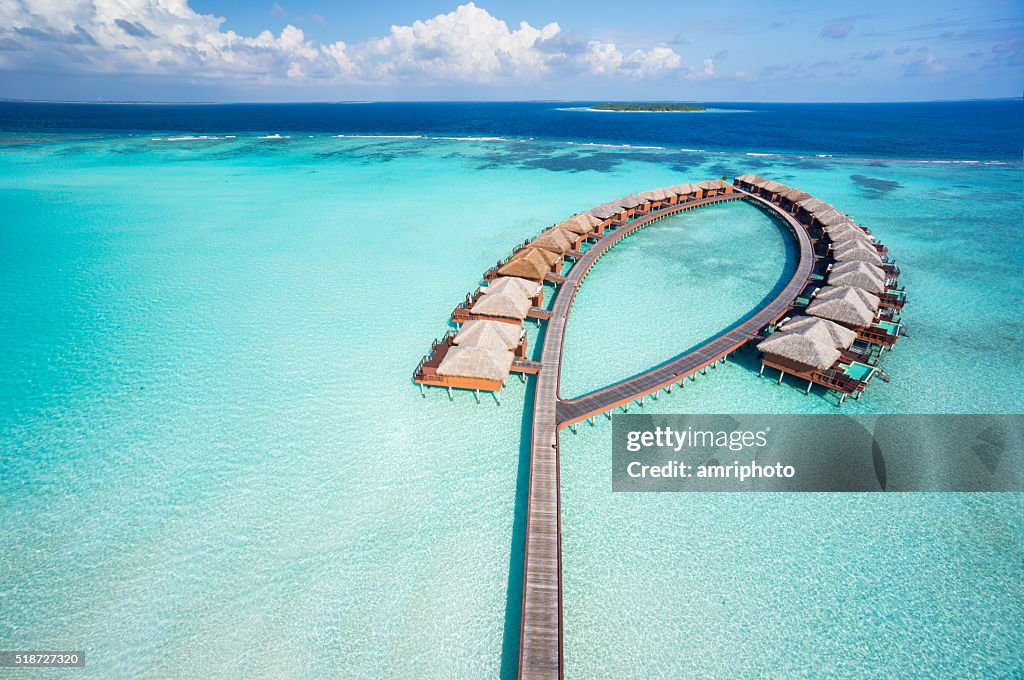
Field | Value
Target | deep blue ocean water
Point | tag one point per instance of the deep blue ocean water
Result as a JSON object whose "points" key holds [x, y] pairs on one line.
{"points": [[970, 130]]}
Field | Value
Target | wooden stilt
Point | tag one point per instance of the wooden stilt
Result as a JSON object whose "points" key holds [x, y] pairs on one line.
{"points": [[450, 397], [780, 377], [422, 393], [760, 374], [809, 386], [477, 392]]}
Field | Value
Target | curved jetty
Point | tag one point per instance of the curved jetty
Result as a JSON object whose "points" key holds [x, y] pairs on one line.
{"points": [[828, 325]]}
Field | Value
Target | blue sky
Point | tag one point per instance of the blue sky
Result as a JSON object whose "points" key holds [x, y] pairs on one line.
{"points": [[301, 50]]}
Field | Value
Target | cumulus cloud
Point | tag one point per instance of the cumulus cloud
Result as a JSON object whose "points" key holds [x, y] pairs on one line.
{"points": [[168, 37], [653, 62]]}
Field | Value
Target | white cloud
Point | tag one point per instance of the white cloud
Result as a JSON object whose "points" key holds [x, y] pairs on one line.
{"points": [[654, 62], [602, 58], [468, 45], [168, 37]]}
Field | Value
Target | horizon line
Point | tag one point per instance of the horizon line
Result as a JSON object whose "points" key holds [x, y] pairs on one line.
{"points": [[492, 101]]}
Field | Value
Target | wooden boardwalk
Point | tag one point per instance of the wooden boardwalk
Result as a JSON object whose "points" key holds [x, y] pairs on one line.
{"points": [[540, 651]]}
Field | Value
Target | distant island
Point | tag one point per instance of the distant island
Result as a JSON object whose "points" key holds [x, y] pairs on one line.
{"points": [[648, 107]]}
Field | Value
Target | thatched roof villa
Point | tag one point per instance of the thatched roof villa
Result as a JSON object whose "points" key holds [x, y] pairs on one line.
{"points": [[857, 279], [846, 308], [836, 291], [856, 251], [476, 362], [513, 285], [798, 352], [823, 330], [553, 241], [530, 263], [502, 307], [581, 224], [493, 335]]}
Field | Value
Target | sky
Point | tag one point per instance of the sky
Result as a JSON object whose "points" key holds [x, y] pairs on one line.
{"points": [[304, 50]]}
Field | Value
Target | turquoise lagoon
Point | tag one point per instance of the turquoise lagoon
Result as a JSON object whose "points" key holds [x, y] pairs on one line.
{"points": [[214, 462]]}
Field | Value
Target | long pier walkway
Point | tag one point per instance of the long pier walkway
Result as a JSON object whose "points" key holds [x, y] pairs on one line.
{"points": [[540, 651]]}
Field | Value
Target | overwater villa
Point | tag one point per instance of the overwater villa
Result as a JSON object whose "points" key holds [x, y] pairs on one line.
{"points": [[583, 225], [658, 198], [633, 205], [685, 192], [610, 214], [860, 296], [833, 336], [820, 352]]}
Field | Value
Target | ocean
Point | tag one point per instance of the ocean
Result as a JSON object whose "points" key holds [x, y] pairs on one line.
{"points": [[215, 463]]}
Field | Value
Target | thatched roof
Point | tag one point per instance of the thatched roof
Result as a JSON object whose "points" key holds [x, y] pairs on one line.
{"points": [[655, 195], [496, 335], [859, 280], [630, 201], [800, 349], [711, 184], [528, 263], [823, 330], [552, 241], [844, 225], [774, 187], [845, 233], [684, 189], [605, 210], [502, 305], [845, 308], [750, 178], [830, 217], [845, 267], [835, 291], [549, 258], [476, 362], [795, 195], [813, 204], [579, 224], [513, 285], [856, 251], [584, 218]]}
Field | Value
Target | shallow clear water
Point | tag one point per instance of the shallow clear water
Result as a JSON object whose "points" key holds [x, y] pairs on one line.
{"points": [[670, 287], [215, 464]]}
